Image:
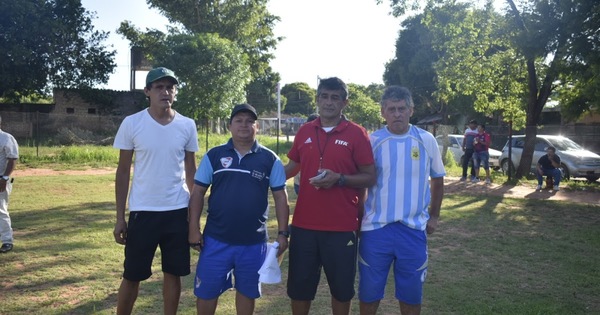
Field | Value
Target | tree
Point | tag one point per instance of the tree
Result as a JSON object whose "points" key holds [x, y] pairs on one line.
{"points": [[300, 99], [514, 62], [49, 43], [362, 109], [247, 23], [213, 71]]}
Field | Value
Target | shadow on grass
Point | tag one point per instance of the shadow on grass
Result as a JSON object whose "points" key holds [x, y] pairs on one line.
{"points": [[514, 256]]}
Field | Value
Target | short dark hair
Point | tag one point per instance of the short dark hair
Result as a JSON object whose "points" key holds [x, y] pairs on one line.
{"points": [[397, 93], [551, 148], [333, 84], [473, 121], [482, 126]]}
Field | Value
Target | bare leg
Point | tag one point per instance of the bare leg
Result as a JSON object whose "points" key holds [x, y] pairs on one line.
{"points": [[206, 307], [243, 304], [171, 293], [340, 308], [410, 309], [128, 292], [369, 308], [300, 307]]}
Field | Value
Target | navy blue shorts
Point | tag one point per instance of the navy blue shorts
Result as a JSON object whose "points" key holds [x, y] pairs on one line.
{"points": [[309, 251], [398, 245], [146, 231]]}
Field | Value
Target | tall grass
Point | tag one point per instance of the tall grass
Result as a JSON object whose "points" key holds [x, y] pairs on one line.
{"points": [[95, 156]]}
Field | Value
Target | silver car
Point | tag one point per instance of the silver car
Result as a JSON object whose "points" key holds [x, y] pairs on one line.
{"points": [[574, 159], [455, 146]]}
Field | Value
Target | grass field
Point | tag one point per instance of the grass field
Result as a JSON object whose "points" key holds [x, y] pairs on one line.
{"points": [[490, 255]]}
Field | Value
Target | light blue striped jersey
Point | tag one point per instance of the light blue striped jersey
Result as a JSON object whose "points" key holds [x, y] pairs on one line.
{"points": [[404, 164]]}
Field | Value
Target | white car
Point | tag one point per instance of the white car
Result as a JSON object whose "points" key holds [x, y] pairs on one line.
{"points": [[575, 161], [455, 146]]}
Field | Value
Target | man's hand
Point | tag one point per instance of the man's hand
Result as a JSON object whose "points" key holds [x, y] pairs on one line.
{"points": [[283, 244], [120, 232], [432, 225], [196, 240], [331, 178], [3, 185]]}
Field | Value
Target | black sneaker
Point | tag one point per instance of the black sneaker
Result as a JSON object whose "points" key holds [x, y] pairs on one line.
{"points": [[6, 247]]}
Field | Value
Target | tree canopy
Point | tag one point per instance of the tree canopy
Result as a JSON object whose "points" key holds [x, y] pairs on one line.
{"points": [[300, 98], [247, 23], [50, 43], [513, 62]]}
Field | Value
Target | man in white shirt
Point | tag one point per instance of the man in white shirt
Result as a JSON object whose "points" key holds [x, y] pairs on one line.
{"points": [[164, 144], [9, 153]]}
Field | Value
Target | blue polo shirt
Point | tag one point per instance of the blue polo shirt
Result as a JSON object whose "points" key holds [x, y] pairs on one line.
{"points": [[238, 202]]}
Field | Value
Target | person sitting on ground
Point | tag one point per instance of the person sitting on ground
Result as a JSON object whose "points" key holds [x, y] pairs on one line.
{"points": [[548, 165]]}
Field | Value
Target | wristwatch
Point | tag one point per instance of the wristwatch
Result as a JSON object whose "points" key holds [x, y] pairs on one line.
{"points": [[286, 234], [342, 180], [6, 178]]}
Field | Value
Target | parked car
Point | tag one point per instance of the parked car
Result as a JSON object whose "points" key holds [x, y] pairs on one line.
{"points": [[575, 161], [455, 146]]}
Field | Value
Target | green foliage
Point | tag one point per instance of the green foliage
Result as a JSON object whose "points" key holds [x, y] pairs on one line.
{"points": [[248, 24], [262, 94], [511, 63], [300, 98], [412, 65], [213, 70], [362, 109], [47, 44]]}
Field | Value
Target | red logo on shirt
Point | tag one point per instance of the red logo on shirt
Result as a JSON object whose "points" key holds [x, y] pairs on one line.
{"points": [[226, 161]]}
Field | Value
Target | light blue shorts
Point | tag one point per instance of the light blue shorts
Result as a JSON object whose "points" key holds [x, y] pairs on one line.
{"points": [[219, 261], [395, 244]]}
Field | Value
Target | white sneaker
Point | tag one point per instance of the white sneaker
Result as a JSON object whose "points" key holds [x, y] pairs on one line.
{"points": [[556, 188], [488, 181], [474, 180], [539, 187]]}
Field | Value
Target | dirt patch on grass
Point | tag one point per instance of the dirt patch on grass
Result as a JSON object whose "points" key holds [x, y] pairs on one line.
{"points": [[452, 185], [50, 172]]}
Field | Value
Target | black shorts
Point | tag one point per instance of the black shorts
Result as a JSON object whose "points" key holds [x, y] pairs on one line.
{"points": [[149, 229], [309, 251]]}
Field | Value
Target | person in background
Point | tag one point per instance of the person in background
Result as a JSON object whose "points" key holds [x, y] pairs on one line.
{"points": [[164, 144], [239, 174], [549, 165], [401, 208], [468, 148], [481, 154], [9, 153], [336, 161], [297, 177]]}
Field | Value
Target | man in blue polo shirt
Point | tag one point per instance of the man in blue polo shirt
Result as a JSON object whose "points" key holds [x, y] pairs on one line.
{"points": [[235, 235]]}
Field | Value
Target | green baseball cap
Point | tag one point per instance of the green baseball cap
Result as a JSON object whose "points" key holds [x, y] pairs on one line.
{"points": [[159, 73]]}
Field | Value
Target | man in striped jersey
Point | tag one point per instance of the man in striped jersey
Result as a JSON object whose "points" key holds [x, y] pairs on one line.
{"points": [[401, 208]]}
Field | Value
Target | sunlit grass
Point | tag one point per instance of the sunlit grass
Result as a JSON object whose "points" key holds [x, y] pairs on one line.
{"points": [[490, 255]]}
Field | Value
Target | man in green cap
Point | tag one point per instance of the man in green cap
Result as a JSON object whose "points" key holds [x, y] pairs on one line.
{"points": [[164, 144]]}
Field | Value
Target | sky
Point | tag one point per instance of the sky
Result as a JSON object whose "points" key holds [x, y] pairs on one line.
{"points": [[350, 39]]}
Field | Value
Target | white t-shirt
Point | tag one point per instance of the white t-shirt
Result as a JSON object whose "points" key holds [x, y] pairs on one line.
{"points": [[9, 149], [158, 167]]}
